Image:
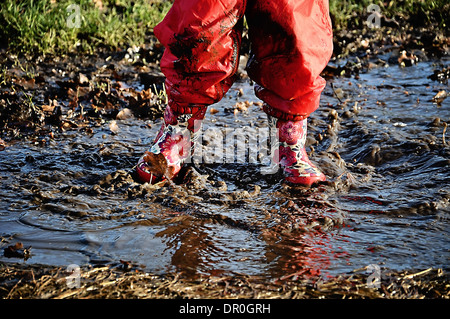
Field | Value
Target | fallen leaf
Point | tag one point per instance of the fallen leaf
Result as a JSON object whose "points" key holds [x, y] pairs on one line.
{"points": [[17, 251], [48, 108], [158, 165], [26, 84]]}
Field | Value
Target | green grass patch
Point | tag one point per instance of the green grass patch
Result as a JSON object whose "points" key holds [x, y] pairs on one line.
{"points": [[354, 13], [58, 27], [50, 26]]}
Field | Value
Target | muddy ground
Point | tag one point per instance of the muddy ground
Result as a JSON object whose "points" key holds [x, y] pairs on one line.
{"points": [[72, 129]]}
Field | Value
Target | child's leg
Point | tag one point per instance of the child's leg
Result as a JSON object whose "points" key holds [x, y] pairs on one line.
{"points": [[291, 45], [202, 40]]}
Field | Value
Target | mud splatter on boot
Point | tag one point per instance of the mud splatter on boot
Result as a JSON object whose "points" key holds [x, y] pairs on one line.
{"points": [[173, 145]]}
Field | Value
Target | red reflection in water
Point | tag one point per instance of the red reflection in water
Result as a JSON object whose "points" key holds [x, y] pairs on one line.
{"points": [[305, 255]]}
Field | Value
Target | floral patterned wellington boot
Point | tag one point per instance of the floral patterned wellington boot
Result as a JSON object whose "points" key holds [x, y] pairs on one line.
{"points": [[173, 145], [290, 152]]}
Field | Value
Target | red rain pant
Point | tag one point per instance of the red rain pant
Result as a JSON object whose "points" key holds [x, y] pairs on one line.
{"points": [[291, 43]]}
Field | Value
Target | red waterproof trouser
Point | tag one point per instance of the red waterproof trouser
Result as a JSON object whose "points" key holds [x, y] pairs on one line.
{"points": [[291, 43]]}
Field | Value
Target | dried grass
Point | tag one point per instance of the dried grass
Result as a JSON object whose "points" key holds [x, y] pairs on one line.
{"points": [[45, 282]]}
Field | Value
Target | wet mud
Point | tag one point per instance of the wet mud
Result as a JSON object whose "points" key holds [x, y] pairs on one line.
{"points": [[72, 133]]}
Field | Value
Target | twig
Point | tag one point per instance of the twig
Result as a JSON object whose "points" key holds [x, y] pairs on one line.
{"points": [[295, 275], [68, 294], [443, 134], [12, 289], [48, 278], [335, 94], [418, 273]]}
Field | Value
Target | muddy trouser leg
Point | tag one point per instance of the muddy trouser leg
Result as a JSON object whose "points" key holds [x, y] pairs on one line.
{"points": [[291, 42], [202, 40]]}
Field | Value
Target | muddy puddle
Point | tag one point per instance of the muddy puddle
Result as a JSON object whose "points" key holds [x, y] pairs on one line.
{"points": [[380, 138]]}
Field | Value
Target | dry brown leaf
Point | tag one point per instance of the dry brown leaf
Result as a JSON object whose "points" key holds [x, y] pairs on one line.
{"points": [[158, 165]]}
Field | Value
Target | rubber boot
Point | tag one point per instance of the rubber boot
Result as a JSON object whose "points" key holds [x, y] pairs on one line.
{"points": [[291, 154], [173, 145]]}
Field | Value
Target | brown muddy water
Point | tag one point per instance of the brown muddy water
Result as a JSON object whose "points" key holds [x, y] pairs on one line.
{"points": [[379, 137]]}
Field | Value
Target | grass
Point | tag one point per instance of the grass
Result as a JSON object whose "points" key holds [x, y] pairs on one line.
{"points": [[21, 281], [354, 12], [47, 26]]}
